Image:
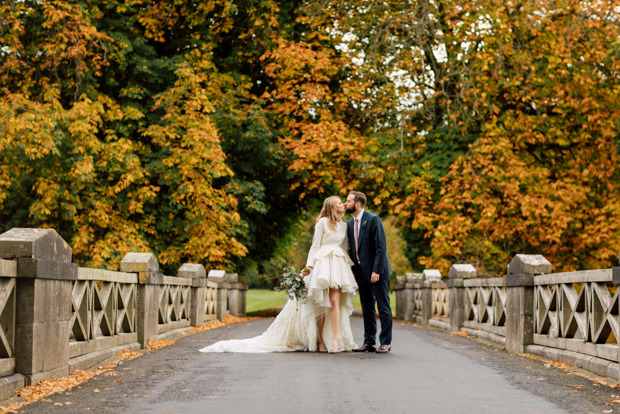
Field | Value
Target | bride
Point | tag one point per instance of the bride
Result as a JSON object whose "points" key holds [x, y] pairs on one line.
{"points": [[324, 317]]}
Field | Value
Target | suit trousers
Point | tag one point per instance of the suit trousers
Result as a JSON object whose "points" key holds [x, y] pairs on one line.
{"points": [[370, 293]]}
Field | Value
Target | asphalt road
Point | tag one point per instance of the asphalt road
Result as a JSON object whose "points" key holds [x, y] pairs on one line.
{"points": [[428, 371]]}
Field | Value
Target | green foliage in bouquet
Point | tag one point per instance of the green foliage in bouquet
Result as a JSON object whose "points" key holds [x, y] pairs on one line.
{"points": [[293, 283]]}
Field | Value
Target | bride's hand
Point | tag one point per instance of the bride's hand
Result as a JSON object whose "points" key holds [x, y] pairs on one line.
{"points": [[307, 271]]}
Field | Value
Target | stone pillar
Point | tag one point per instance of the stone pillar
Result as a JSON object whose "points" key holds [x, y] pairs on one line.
{"points": [[401, 297], [411, 281], [427, 301], [148, 294], [43, 301], [219, 277], [198, 274], [520, 299], [236, 294], [456, 275]]}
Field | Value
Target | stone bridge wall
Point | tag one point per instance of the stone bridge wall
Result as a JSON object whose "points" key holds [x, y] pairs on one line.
{"points": [[573, 317], [56, 317]]}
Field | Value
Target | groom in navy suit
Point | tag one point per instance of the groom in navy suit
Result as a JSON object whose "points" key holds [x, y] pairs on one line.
{"points": [[372, 271]]}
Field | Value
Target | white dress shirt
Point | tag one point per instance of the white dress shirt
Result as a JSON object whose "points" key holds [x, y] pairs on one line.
{"points": [[359, 223]]}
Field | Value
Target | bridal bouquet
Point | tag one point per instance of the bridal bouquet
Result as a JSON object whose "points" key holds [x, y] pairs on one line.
{"points": [[293, 283]]}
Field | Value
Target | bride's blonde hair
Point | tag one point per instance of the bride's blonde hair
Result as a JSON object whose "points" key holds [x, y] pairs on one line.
{"points": [[329, 211]]}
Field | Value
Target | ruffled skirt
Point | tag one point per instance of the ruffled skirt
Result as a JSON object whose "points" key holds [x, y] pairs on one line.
{"points": [[332, 269]]}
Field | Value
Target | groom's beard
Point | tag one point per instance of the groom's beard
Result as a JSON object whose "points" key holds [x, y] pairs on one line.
{"points": [[350, 210]]}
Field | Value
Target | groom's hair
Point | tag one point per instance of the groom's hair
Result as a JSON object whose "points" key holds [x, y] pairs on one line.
{"points": [[359, 197]]}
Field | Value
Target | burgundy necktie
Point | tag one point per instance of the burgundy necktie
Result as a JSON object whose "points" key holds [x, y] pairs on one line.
{"points": [[356, 236]]}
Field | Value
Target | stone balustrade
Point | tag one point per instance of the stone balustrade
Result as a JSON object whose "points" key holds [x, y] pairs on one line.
{"points": [[572, 317], [56, 317]]}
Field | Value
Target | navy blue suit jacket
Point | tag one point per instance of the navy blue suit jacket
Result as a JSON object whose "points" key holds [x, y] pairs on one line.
{"points": [[372, 246]]}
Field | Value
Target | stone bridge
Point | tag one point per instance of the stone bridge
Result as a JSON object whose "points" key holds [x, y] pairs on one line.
{"points": [[56, 317]]}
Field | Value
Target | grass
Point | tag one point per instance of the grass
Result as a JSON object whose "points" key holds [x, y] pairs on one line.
{"points": [[357, 304], [262, 299]]}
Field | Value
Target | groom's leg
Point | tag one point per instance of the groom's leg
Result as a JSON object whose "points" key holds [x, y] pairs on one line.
{"points": [[381, 292], [368, 312]]}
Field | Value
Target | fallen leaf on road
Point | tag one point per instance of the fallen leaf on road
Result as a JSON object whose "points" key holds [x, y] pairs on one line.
{"points": [[95, 390], [607, 411], [541, 379], [126, 354], [548, 365], [211, 396], [461, 333], [68, 403], [58, 404], [615, 402], [362, 357], [174, 391], [207, 327], [118, 380], [566, 368], [153, 345]]}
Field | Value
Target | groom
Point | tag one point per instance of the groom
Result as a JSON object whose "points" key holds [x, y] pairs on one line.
{"points": [[372, 271]]}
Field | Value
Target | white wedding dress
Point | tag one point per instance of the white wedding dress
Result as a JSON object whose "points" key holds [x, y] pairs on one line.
{"points": [[295, 327]]}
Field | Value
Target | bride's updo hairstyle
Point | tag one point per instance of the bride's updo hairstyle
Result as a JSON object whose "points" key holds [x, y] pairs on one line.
{"points": [[329, 211]]}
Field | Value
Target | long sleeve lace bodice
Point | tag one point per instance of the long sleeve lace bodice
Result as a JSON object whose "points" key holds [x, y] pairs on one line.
{"points": [[326, 240]]}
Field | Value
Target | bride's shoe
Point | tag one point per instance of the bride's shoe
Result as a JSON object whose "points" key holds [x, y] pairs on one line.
{"points": [[334, 350]]}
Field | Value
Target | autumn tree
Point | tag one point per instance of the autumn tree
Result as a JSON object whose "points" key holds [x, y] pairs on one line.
{"points": [[200, 130], [127, 126], [502, 135]]}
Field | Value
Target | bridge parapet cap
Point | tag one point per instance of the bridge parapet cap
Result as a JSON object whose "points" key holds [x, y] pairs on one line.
{"points": [[462, 271], [139, 263], [44, 244], [192, 270], [531, 264], [432, 275]]}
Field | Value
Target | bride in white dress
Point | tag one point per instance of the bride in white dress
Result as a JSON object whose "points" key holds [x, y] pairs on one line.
{"points": [[324, 317]]}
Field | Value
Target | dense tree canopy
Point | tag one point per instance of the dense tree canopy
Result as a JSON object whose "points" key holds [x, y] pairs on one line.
{"points": [[491, 128], [134, 125], [200, 130]]}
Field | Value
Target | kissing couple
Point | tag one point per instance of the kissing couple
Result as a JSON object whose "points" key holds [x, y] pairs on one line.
{"points": [[343, 258]]}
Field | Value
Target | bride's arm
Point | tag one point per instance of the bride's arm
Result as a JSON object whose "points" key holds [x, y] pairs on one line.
{"points": [[345, 243], [316, 243]]}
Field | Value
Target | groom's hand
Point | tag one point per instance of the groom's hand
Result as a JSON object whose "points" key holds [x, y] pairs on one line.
{"points": [[374, 277]]}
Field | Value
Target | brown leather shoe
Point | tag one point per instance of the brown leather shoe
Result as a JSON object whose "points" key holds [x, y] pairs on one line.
{"points": [[365, 348], [384, 349]]}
